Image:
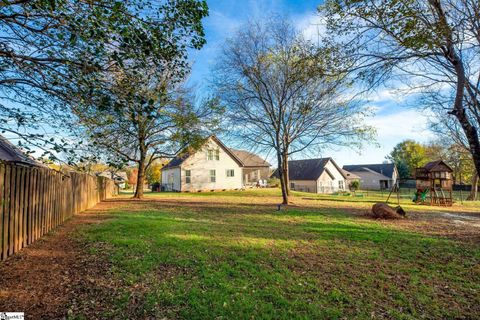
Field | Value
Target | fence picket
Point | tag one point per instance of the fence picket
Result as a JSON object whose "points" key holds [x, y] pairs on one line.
{"points": [[11, 208], [16, 210], [26, 209], [2, 211], [34, 205]]}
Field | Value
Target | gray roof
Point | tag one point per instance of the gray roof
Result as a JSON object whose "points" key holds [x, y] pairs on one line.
{"points": [[386, 169], [309, 169], [11, 153], [249, 159], [178, 160], [350, 175]]}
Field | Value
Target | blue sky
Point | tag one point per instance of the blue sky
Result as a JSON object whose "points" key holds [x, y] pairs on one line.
{"points": [[394, 120]]}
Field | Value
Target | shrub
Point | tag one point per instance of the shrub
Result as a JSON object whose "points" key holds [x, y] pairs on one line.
{"points": [[354, 185], [156, 186], [273, 182]]}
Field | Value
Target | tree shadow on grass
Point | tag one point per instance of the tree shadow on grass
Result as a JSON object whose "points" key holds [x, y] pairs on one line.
{"points": [[281, 258], [256, 253], [262, 220]]}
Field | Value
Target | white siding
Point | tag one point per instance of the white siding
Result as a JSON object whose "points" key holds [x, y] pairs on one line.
{"points": [[171, 179], [325, 184], [371, 180], [200, 167]]}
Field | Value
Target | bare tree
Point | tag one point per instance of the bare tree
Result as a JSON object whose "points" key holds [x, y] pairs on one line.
{"points": [[281, 94], [433, 44]]}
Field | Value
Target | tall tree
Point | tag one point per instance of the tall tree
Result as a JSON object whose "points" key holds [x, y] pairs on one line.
{"points": [[430, 45], [281, 93], [408, 155], [55, 53], [144, 118]]}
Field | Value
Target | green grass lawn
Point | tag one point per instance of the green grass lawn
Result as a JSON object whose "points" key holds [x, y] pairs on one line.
{"points": [[230, 255]]}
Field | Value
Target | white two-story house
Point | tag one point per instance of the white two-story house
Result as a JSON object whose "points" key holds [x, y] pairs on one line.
{"points": [[214, 167]]}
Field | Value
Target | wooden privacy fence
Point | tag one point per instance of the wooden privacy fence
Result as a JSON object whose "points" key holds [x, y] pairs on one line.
{"points": [[36, 200]]}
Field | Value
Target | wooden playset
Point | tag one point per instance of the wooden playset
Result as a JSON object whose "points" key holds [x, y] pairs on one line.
{"points": [[434, 181]]}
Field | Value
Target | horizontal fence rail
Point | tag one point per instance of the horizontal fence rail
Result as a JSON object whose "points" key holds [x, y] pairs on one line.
{"points": [[36, 200]]}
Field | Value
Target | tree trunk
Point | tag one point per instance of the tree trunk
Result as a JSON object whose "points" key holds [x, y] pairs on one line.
{"points": [[474, 192], [285, 173], [456, 61], [472, 137], [281, 175], [140, 178]]}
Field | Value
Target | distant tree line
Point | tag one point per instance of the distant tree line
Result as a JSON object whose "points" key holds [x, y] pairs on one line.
{"points": [[409, 155]]}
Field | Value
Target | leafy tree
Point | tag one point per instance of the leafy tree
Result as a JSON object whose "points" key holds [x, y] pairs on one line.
{"points": [[55, 54], [281, 94], [132, 174], [354, 186], [404, 171], [144, 119], [154, 172], [408, 155], [432, 46]]}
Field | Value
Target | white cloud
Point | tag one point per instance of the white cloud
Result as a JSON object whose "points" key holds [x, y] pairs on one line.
{"points": [[221, 25], [391, 129], [406, 124], [397, 95], [312, 25]]}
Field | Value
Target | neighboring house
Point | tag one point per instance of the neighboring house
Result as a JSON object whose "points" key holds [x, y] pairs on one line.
{"points": [[120, 178], [214, 167], [375, 176], [350, 177], [316, 175], [12, 154]]}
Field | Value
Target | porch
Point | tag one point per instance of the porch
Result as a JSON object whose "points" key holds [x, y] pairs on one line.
{"points": [[251, 176]]}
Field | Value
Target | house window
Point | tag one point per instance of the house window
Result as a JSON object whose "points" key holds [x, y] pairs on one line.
{"points": [[230, 173], [212, 176], [292, 185], [340, 184], [188, 176], [213, 154]]}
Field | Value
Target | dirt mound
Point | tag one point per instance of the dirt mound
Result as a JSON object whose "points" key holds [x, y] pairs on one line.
{"points": [[384, 211]]}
